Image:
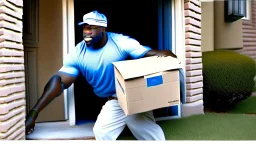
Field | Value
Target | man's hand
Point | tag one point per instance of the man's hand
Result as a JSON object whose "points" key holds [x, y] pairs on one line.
{"points": [[160, 53], [165, 53], [30, 121], [53, 88]]}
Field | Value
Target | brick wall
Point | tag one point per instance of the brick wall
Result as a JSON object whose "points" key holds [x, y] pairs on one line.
{"points": [[194, 78], [249, 34], [12, 86]]}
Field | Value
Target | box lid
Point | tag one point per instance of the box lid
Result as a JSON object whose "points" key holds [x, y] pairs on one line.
{"points": [[145, 66]]}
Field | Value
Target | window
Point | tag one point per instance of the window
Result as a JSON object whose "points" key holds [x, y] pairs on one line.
{"points": [[235, 10], [248, 10]]}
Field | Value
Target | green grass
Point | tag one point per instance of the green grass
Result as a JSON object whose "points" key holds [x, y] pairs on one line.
{"points": [[209, 126], [247, 106], [238, 124]]}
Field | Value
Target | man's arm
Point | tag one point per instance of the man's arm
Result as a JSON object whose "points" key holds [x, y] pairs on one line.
{"points": [[53, 88], [160, 53]]}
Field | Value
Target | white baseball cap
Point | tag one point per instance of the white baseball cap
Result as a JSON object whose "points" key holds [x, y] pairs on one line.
{"points": [[94, 18]]}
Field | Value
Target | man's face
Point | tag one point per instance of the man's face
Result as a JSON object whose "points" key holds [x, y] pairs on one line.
{"points": [[92, 34]]}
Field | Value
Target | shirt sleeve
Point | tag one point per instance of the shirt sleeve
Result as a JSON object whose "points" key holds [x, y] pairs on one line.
{"points": [[70, 64], [132, 47]]}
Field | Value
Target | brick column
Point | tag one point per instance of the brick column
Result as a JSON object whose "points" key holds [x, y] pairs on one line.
{"points": [[194, 77], [12, 86]]}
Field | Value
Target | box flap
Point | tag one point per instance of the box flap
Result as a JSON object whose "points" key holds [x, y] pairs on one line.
{"points": [[145, 66]]}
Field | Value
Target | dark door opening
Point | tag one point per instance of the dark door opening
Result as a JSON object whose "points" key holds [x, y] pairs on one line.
{"points": [[138, 19]]}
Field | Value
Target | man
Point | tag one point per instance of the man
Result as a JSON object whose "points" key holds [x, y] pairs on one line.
{"points": [[93, 58]]}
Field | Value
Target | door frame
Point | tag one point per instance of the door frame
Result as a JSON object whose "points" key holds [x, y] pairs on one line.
{"points": [[178, 47], [68, 43]]}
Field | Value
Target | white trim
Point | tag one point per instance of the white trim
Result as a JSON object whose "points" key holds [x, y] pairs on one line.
{"points": [[65, 48], [180, 41], [173, 28], [180, 31], [69, 43], [248, 10]]}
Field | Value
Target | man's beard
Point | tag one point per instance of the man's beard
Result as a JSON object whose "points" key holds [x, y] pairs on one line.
{"points": [[91, 40]]}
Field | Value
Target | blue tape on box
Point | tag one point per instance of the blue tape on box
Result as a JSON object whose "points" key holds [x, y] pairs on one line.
{"points": [[154, 81]]}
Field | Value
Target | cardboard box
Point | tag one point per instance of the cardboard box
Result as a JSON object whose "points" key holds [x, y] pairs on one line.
{"points": [[148, 83]]}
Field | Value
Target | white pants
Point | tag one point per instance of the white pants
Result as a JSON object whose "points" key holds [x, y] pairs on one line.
{"points": [[111, 122]]}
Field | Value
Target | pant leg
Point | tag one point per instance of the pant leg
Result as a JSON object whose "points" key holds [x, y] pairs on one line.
{"points": [[144, 127], [110, 122]]}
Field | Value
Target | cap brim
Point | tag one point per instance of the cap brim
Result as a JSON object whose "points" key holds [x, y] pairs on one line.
{"points": [[88, 23], [81, 23]]}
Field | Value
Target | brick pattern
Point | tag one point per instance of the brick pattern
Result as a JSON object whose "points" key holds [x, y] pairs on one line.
{"points": [[194, 77], [249, 34], [12, 78]]}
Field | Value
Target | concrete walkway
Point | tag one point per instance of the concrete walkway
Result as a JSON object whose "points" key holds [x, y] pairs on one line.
{"points": [[61, 131]]}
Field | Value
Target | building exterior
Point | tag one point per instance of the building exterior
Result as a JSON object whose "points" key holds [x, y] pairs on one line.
{"points": [[12, 71], [35, 33], [238, 36]]}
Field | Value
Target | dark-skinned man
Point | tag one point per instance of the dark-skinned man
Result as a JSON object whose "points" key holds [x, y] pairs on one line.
{"points": [[93, 58]]}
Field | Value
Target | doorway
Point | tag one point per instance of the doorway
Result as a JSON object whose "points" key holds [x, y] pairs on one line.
{"points": [[149, 22]]}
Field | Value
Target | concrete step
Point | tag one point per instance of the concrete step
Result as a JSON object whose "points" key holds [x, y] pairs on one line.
{"points": [[61, 131]]}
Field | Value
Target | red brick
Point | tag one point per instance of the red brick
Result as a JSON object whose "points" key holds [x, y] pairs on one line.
{"points": [[11, 45], [11, 60], [193, 48], [191, 6], [193, 54], [190, 28], [194, 98], [12, 36], [192, 92], [193, 60], [190, 67], [7, 18], [15, 134], [190, 21], [194, 85], [195, 2], [12, 113], [6, 10], [7, 90], [12, 97], [193, 42], [194, 73], [11, 75], [191, 14], [11, 130], [4, 126], [11, 81], [4, 109], [8, 68], [9, 52], [193, 36], [17, 2], [8, 25], [194, 79]]}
